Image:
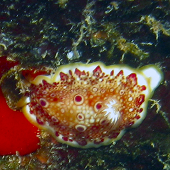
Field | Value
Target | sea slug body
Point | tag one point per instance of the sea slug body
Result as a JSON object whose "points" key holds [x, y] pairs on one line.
{"points": [[89, 105]]}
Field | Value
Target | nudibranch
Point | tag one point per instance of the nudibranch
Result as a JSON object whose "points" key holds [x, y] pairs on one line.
{"points": [[89, 105]]}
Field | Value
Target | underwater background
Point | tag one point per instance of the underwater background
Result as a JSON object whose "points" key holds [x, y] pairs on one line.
{"points": [[50, 33]]}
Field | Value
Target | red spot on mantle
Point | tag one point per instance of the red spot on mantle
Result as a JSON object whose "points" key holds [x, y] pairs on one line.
{"points": [[78, 98], [16, 133], [97, 71], [63, 76], [78, 72]]}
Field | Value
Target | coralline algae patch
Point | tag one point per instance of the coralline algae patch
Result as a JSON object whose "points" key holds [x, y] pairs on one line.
{"points": [[17, 134], [89, 105]]}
